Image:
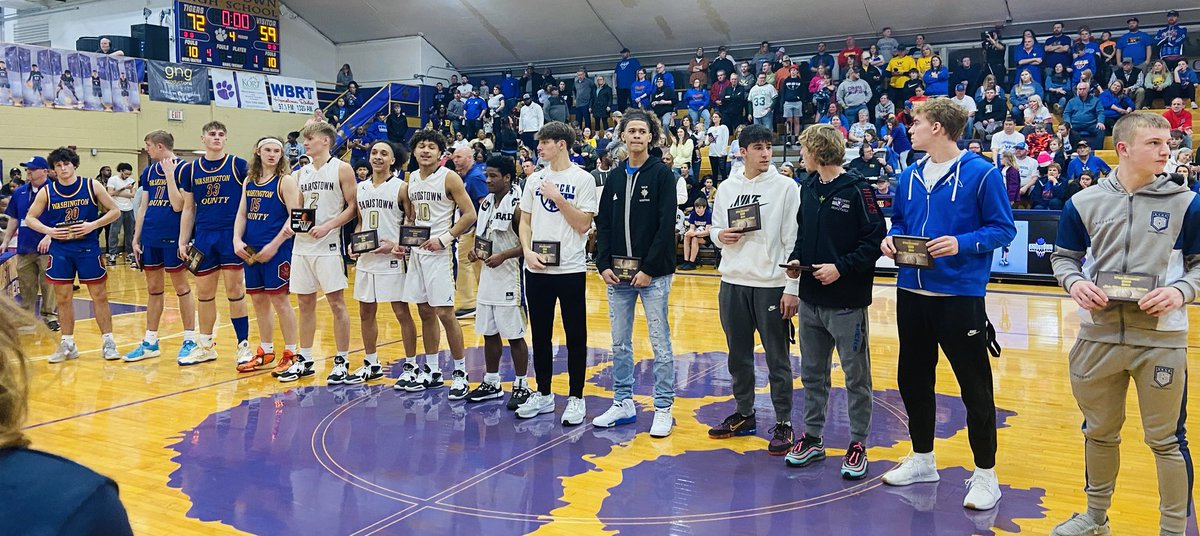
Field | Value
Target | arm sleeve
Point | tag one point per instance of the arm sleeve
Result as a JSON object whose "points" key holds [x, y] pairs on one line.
{"points": [[1070, 246], [870, 234], [995, 212]]}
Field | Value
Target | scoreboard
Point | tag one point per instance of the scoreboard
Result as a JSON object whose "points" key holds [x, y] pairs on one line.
{"points": [[235, 34]]}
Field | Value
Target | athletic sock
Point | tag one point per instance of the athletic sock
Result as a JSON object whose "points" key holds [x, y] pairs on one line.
{"points": [[520, 381], [205, 341], [189, 335], [69, 339], [1097, 515], [431, 361], [373, 359], [290, 347], [267, 347], [305, 354], [241, 327], [493, 379], [460, 364], [107, 337], [151, 337]]}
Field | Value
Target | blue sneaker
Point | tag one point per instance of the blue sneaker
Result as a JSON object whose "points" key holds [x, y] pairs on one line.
{"points": [[187, 348], [143, 351]]}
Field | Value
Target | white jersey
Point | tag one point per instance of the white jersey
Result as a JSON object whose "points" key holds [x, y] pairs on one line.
{"points": [[379, 208], [432, 206], [547, 222], [501, 285], [320, 189]]}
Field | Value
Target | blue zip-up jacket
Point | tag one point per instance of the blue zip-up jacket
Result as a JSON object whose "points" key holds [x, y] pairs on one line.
{"points": [[969, 203]]}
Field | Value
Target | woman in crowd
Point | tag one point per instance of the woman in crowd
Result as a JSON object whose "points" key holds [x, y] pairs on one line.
{"points": [[936, 78], [681, 148], [895, 138], [1036, 113], [1025, 88], [344, 77], [1183, 84], [989, 82], [1085, 180], [1157, 83], [1058, 87], [1012, 177], [717, 140]]}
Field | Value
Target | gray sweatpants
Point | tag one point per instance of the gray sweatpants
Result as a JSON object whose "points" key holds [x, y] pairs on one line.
{"points": [[1100, 374], [821, 330], [31, 277], [745, 310]]}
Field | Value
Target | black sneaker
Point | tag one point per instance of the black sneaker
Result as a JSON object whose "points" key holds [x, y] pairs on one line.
{"points": [[299, 369], [733, 426], [464, 313], [782, 439], [365, 373], [459, 386], [808, 450], [519, 396], [485, 391], [52, 325]]}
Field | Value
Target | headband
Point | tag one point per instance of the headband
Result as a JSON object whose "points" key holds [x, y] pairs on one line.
{"points": [[266, 141]]}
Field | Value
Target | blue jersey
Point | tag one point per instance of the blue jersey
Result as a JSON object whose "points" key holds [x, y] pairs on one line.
{"points": [[265, 212], [216, 186], [160, 227], [70, 205]]}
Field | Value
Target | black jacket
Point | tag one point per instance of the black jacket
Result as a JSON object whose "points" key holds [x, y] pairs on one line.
{"points": [[602, 100], [651, 222], [844, 229], [397, 125]]}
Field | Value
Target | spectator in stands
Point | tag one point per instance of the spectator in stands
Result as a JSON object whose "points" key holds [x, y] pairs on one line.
{"points": [[1019, 96], [660, 72], [456, 111], [556, 106], [991, 114], [762, 54], [911, 85], [745, 76], [338, 112], [1048, 192], [1038, 141], [506, 138], [1012, 178], [818, 87], [1084, 61], [377, 130], [602, 103], [585, 94], [1106, 58], [735, 103], [895, 137], [995, 55], [852, 52], [1134, 45], [870, 164], [697, 100], [1067, 139], [1006, 140], [14, 181], [1086, 180], [1131, 80], [625, 74], [530, 82], [769, 71], [465, 87], [1181, 158], [899, 66], [722, 63], [681, 146], [395, 125], [359, 143], [1057, 49], [1115, 104], [887, 44], [936, 78], [1157, 83], [883, 109], [1171, 38], [1026, 165], [1035, 113], [1084, 160], [1085, 114], [473, 108], [351, 96], [344, 76], [639, 91], [532, 119], [698, 223], [1180, 120], [783, 72], [821, 59], [854, 93], [1183, 83], [967, 103], [698, 68], [857, 131], [107, 49], [924, 59], [1029, 57], [717, 140], [663, 102]]}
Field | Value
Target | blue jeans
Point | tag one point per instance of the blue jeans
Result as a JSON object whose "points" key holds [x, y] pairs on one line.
{"points": [[621, 301], [699, 116], [766, 121]]}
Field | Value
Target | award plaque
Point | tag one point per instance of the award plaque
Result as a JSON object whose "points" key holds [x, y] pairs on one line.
{"points": [[413, 235], [912, 251], [303, 219], [548, 251], [802, 267], [745, 218], [194, 258], [483, 248], [64, 225], [251, 251], [626, 267], [364, 242], [1126, 287]]}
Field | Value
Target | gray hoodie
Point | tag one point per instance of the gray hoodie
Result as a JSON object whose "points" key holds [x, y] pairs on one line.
{"points": [[853, 93], [1156, 231]]}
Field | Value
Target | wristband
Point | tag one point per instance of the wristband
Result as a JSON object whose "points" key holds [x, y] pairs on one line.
{"points": [[446, 239]]}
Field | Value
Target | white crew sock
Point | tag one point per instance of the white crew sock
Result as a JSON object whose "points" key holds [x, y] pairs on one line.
{"points": [[69, 339], [267, 347], [305, 354], [431, 361], [493, 379], [189, 335], [151, 337], [460, 364], [373, 359], [520, 381]]}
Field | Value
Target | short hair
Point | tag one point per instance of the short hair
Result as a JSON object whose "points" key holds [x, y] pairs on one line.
{"points": [[67, 154], [952, 117], [428, 136], [161, 137], [214, 125], [1055, 167], [124, 166], [755, 134], [319, 129], [701, 201], [503, 164], [637, 114], [557, 131], [822, 143], [1126, 126]]}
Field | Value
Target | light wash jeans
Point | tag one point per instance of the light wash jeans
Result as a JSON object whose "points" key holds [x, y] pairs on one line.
{"points": [[703, 116], [622, 299]]}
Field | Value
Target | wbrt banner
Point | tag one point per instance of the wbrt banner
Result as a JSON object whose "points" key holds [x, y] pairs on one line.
{"points": [[45, 77], [292, 95], [178, 82]]}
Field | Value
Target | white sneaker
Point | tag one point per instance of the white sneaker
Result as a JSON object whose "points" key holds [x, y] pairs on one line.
{"points": [[913, 469], [536, 405], [575, 413], [66, 350], [663, 422], [201, 354], [983, 490], [109, 350], [623, 412], [244, 355], [1081, 525]]}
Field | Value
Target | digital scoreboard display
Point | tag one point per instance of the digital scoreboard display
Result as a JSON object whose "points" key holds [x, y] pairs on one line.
{"points": [[235, 34]]}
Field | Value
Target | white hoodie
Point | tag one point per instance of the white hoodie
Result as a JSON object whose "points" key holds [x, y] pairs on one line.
{"points": [[754, 261]]}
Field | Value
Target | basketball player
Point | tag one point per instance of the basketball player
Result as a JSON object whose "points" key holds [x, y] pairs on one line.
{"points": [[379, 275], [70, 208], [66, 81], [1136, 220], [212, 191], [557, 206], [154, 245], [433, 194], [326, 185], [500, 310], [262, 236]]}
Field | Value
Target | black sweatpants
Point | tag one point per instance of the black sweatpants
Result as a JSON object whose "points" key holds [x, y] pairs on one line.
{"points": [[542, 291], [959, 325]]}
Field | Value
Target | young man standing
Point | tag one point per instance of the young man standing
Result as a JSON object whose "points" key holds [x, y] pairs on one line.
{"points": [[959, 200], [154, 245], [1155, 232], [751, 298], [212, 190], [32, 260], [557, 207], [844, 229], [637, 219], [122, 188], [434, 194], [500, 311], [326, 185], [70, 208]]}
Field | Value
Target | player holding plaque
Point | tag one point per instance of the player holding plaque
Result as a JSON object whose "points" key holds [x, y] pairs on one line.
{"points": [[635, 255], [751, 298], [959, 198], [557, 206], [1155, 235]]}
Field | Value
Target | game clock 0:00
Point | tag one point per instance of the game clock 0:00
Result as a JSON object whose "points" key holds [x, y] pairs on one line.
{"points": [[235, 34]]}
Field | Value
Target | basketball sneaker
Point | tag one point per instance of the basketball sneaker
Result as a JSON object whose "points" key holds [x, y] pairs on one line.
{"points": [[537, 404], [808, 450], [143, 351], [200, 354], [913, 469], [365, 373], [408, 375], [66, 350], [485, 391], [186, 348], [519, 396], [621, 412], [459, 386], [782, 439], [983, 490], [285, 363], [1081, 525], [244, 356], [299, 369], [733, 426], [340, 372], [426, 379], [854, 464], [663, 422], [109, 350], [575, 412]]}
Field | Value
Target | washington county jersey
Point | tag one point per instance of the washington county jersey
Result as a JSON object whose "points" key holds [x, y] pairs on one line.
{"points": [[266, 213], [69, 205], [379, 208], [160, 227], [432, 207], [216, 188], [321, 189], [500, 285]]}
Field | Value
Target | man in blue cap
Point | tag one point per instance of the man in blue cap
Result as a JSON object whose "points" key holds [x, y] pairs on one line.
{"points": [[31, 265]]}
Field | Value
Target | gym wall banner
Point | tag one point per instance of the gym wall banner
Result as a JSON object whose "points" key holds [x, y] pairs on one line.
{"points": [[45, 77], [178, 82]]}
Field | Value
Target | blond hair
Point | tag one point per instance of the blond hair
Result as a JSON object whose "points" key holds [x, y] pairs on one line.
{"points": [[952, 117], [824, 144], [14, 376], [319, 129], [1126, 126], [161, 137]]}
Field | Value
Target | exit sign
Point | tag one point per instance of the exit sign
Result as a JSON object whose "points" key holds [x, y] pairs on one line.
{"points": [[174, 114]]}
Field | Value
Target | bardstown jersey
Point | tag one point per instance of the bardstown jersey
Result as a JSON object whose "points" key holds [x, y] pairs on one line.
{"points": [[160, 227], [379, 208], [432, 206], [69, 205], [501, 285], [266, 213], [216, 188], [321, 189]]}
